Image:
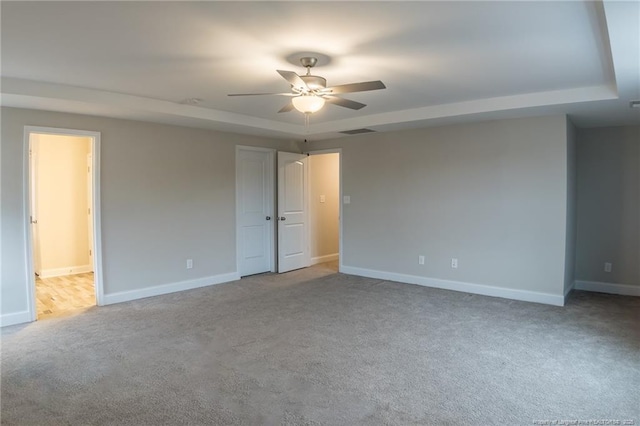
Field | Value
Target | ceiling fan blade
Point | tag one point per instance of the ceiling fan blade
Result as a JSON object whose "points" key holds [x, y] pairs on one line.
{"points": [[288, 107], [343, 102], [261, 94], [356, 87], [294, 79]]}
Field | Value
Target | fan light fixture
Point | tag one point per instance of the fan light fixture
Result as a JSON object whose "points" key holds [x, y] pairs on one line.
{"points": [[308, 104], [309, 92]]}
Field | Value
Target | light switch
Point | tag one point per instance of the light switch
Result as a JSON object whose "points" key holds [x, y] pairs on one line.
{"points": [[346, 199], [322, 199]]}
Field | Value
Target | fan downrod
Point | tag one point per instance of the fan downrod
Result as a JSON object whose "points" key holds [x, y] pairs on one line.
{"points": [[314, 82]]}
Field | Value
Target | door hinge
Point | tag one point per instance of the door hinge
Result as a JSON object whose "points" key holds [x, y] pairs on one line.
{"points": [[89, 210]]}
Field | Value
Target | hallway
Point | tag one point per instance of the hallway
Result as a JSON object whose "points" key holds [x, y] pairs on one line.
{"points": [[65, 295]]}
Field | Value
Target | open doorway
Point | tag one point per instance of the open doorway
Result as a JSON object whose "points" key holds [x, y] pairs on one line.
{"points": [[324, 208], [63, 231]]}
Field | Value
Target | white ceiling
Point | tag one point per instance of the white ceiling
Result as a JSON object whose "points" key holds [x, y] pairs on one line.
{"points": [[442, 62]]}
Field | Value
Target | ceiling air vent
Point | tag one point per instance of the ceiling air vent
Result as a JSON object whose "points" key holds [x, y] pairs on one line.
{"points": [[357, 131], [634, 104], [191, 101]]}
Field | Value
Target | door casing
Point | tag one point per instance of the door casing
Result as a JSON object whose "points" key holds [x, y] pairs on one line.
{"points": [[97, 229]]}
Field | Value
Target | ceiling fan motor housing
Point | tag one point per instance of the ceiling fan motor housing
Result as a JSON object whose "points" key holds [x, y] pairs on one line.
{"points": [[314, 82]]}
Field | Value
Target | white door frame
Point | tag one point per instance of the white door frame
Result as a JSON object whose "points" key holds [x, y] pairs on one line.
{"points": [[97, 229], [271, 197], [331, 151]]}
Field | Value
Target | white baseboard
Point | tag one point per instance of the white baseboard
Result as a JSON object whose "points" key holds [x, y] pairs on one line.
{"points": [[323, 259], [485, 290], [611, 288], [69, 270], [125, 296], [14, 318]]}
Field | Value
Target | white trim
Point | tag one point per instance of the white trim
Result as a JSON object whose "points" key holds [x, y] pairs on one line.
{"points": [[28, 232], [272, 201], [69, 270], [97, 228], [15, 318], [25, 93], [324, 151], [125, 296], [611, 288], [340, 203], [97, 220], [507, 293], [323, 259]]}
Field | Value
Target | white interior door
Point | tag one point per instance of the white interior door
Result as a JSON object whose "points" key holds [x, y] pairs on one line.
{"points": [[254, 180], [33, 204], [293, 247], [89, 208]]}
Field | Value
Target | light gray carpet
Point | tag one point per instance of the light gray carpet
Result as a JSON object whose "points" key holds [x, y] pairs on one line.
{"points": [[315, 347]]}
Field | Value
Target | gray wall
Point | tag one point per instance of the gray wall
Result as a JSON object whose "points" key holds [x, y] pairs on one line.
{"points": [[570, 246], [492, 194], [609, 205], [496, 195], [168, 194]]}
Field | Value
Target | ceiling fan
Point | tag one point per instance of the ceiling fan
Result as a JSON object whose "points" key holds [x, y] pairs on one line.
{"points": [[310, 92]]}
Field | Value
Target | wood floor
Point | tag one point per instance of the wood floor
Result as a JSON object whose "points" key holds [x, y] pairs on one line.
{"points": [[66, 295]]}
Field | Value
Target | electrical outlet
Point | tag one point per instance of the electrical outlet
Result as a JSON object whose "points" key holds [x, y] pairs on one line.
{"points": [[323, 198], [607, 267], [346, 199], [454, 263], [189, 263], [420, 260]]}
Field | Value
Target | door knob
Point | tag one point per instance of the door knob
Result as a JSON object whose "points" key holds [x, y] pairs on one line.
{"points": [[268, 217], [283, 218]]}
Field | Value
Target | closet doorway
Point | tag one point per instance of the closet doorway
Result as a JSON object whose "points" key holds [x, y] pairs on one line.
{"points": [[325, 225], [287, 211]]}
